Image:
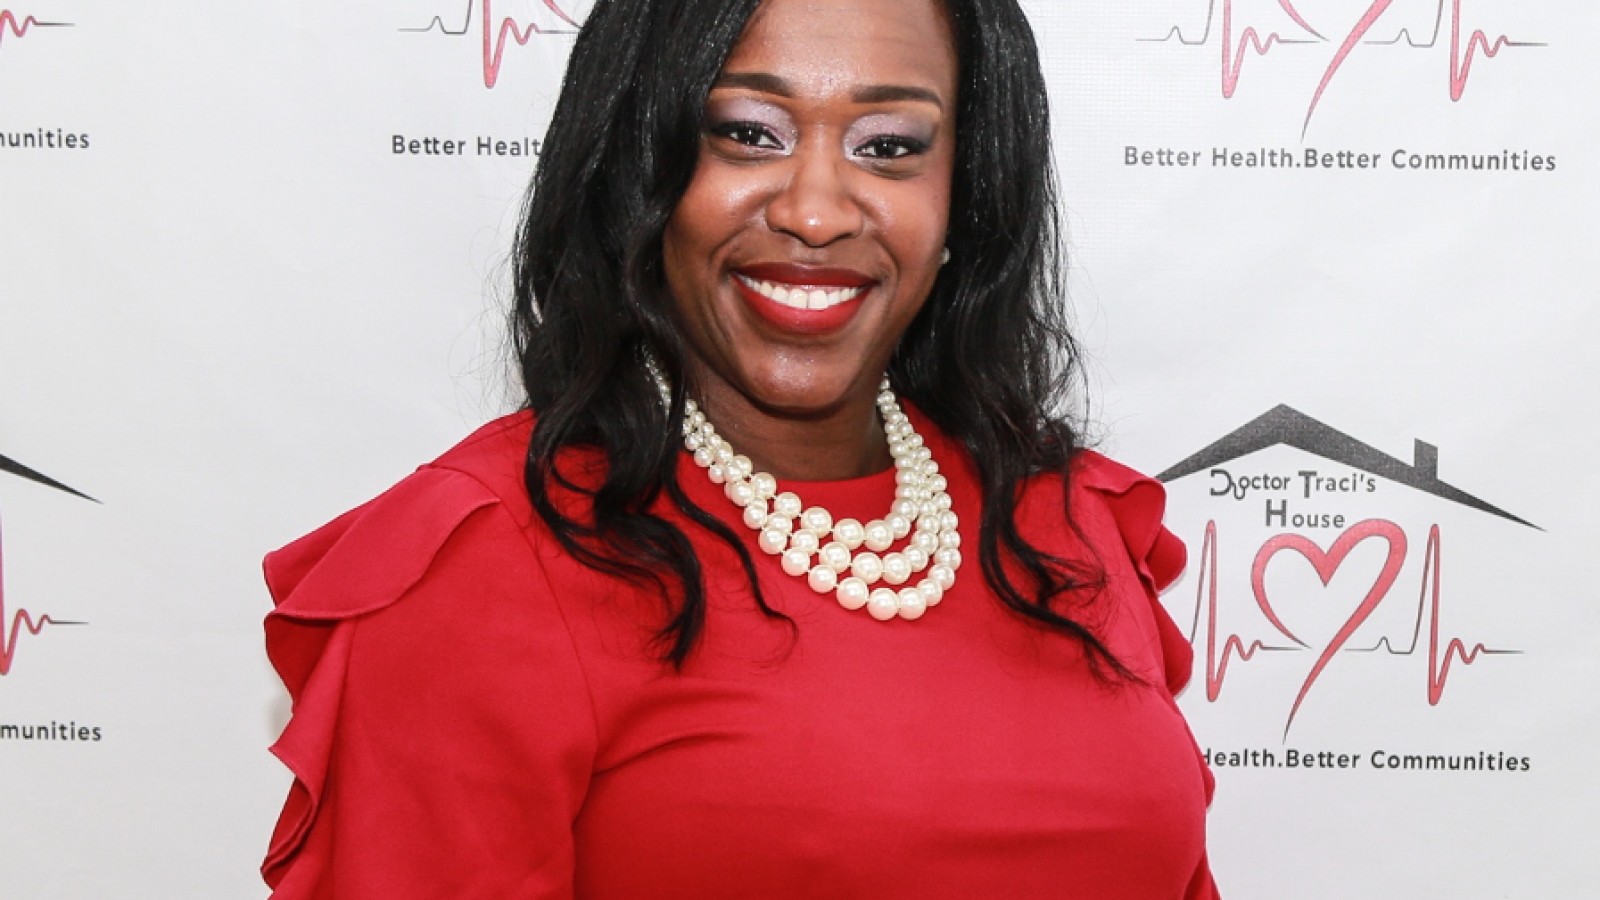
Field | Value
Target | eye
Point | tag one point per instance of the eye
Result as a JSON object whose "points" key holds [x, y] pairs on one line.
{"points": [[890, 146], [750, 134]]}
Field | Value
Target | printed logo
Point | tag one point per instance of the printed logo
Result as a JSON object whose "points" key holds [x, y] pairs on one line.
{"points": [[553, 18], [15, 27], [1383, 26], [22, 621], [1322, 553]]}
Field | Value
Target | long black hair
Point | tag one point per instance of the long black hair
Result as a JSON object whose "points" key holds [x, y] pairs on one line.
{"points": [[989, 359]]}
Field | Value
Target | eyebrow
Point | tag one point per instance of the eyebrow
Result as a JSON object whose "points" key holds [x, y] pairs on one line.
{"points": [[767, 83]]}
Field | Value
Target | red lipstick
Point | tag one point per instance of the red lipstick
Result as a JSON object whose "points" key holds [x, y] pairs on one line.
{"points": [[796, 276]]}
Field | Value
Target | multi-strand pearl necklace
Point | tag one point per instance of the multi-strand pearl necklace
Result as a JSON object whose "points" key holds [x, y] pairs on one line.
{"points": [[813, 545]]}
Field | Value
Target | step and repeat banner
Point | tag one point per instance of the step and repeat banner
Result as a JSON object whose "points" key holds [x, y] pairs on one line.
{"points": [[1330, 261]]}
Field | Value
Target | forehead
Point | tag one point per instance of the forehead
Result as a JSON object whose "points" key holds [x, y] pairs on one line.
{"points": [[824, 44]]}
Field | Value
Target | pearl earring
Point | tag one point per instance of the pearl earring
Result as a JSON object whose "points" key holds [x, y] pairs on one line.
{"points": [[944, 256]]}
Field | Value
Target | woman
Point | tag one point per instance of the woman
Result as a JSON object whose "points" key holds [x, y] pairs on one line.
{"points": [[887, 647]]}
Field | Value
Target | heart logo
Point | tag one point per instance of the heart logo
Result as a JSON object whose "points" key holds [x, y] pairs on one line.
{"points": [[1326, 563]]}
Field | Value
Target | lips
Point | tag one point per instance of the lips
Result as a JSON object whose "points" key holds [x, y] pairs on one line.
{"points": [[802, 299]]}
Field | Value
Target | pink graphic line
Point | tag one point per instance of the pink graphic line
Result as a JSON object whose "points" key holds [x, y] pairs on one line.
{"points": [[494, 46], [1217, 669], [1461, 65], [9, 22], [20, 621], [1300, 20], [1439, 673], [1368, 19], [1326, 563], [19, 27], [1233, 57]]}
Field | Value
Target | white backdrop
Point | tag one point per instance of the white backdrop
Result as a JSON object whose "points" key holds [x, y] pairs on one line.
{"points": [[238, 311]]}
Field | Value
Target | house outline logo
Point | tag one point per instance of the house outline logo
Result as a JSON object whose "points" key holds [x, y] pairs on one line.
{"points": [[21, 620], [1324, 541], [1284, 425]]}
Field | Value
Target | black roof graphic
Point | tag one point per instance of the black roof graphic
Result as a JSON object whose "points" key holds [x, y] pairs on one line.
{"points": [[1292, 428], [22, 471]]}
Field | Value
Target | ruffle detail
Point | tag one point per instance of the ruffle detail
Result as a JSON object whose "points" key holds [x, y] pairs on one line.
{"points": [[1138, 503], [360, 562]]}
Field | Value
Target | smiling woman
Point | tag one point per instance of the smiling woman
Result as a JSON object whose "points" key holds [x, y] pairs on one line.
{"points": [[903, 641]]}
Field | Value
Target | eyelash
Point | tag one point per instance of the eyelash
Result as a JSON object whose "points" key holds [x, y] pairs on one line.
{"points": [[897, 146], [883, 148], [750, 134]]}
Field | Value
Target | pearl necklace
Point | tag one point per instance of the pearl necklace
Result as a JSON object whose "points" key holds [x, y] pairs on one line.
{"points": [[813, 545]]}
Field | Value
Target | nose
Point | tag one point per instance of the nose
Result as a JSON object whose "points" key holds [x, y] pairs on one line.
{"points": [[816, 204]]}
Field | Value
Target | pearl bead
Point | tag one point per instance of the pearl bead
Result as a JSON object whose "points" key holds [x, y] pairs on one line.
{"points": [[909, 603], [896, 568], [817, 520], [822, 579], [755, 515], [878, 535], [849, 533], [852, 593], [835, 556], [796, 562], [804, 541], [773, 541], [883, 604], [867, 567], [740, 492], [786, 504], [921, 510]]}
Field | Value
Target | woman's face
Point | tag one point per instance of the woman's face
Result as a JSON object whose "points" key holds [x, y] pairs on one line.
{"points": [[811, 232]]}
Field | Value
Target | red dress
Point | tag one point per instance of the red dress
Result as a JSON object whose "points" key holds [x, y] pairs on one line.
{"points": [[477, 715]]}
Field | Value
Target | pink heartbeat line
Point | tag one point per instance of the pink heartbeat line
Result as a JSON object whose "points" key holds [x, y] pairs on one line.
{"points": [[19, 27], [1233, 54], [1460, 64], [494, 45], [21, 620], [1217, 669], [1428, 602]]}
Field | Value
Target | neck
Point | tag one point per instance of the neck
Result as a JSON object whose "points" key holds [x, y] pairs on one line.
{"points": [[844, 440]]}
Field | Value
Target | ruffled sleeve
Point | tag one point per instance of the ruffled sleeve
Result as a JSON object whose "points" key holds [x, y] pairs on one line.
{"points": [[1137, 505], [442, 735]]}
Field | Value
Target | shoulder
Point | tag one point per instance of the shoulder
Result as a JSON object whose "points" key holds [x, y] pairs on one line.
{"points": [[369, 556], [1135, 505]]}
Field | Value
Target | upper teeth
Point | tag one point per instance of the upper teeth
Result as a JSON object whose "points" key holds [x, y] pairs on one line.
{"points": [[800, 297]]}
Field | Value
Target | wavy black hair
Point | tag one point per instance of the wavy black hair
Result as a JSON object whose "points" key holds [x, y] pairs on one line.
{"points": [[989, 359]]}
